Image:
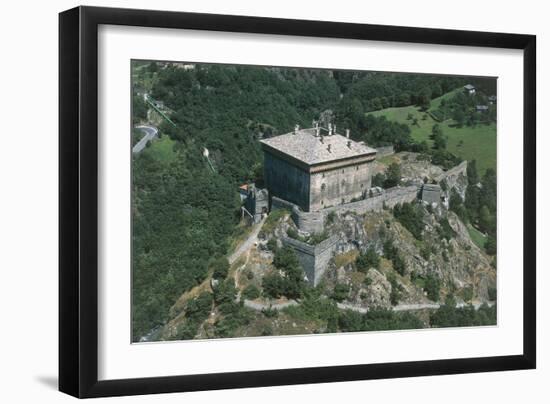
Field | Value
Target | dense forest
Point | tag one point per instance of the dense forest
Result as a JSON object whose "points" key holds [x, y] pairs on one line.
{"points": [[184, 211]]}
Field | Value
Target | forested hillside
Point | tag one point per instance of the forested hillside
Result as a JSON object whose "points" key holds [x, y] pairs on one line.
{"points": [[184, 213]]}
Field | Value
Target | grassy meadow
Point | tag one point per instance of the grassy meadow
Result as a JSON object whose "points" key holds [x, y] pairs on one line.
{"points": [[470, 143]]}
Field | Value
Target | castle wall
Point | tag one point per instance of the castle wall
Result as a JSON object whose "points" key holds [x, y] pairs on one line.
{"points": [[314, 259], [311, 222], [383, 151], [453, 175], [338, 186], [286, 181], [388, 198]]}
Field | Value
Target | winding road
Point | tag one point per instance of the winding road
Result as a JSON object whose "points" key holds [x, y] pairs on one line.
{"points": [[150, 133]]}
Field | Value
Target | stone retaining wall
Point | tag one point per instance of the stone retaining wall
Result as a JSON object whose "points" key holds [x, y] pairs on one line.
{"points": [[313, 258], [389, 198], [311, 222], [453, 173], [384, 151]]}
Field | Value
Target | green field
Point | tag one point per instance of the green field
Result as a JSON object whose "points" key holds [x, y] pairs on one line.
{"points": [[470, 143]]}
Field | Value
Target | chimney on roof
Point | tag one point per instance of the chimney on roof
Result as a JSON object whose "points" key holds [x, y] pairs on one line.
{"points": [[329, 129], [347, 133], [296, 129], [317, 130], [328, 148], [334, 129]]}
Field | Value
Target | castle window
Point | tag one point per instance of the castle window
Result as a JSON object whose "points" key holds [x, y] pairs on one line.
{"points": [[356, 168], [342, 171], [323, 187], [323, 175]]}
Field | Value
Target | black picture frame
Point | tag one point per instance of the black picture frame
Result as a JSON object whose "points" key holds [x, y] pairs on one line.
{"points": [[78, 201]]}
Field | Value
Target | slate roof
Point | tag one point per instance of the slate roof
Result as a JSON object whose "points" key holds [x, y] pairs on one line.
{"points": [[308, 148]]}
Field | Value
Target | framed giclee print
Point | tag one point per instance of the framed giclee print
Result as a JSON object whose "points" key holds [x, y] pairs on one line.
{"points": [[250, 202]]}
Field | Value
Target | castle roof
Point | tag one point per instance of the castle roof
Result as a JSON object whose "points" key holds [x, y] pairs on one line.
{"points": [[305, 146]]}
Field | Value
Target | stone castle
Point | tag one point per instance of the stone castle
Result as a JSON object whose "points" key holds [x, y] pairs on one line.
{"points": [[316, 171], [317, 168]]}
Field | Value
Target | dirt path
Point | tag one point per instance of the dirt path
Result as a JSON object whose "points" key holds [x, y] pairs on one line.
{"points": [[237, 273], [275, 306], [418, 306], [247, 244]]}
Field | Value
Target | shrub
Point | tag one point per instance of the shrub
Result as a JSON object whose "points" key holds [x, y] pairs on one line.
{"points": [[220, 268], [449, 316], [378, 180], [199, 308], [292, 284], [316, 238], [292, 233], [273, 285], [251, 292], [340, 292], [445, 230], [491, 245], [225, 292], [492, 293], [399, 265], [411, 217], [272, 245], [330, 217], [270, 312], [393, 176], [468, 293], [432, 286], [368, 260], [396, 290]]}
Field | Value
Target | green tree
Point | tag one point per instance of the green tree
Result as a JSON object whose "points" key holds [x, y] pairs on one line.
{"points": [[432, 286], [340, 292], [378, 180], [367, 260], [439, 139], [491, 245], [251, 292], [220, 268], [393, 175], [411, 216]]}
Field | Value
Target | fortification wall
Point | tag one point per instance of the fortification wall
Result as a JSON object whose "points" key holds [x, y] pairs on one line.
{"points": [[311, 222], [313, 258], [389, 198], [384, 151], [452, 174]]}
